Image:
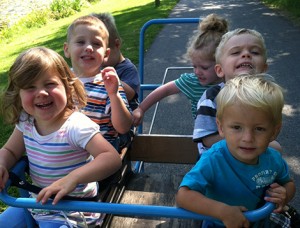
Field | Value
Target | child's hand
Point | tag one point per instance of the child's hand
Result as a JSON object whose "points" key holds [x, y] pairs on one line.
{"points": [[111, 80], [3, 177], [60, 187], [276, 194], [233, 217], [137, 115]]}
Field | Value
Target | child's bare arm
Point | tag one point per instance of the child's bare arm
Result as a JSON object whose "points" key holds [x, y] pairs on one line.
{"points": [[120, 116], [106, 162], [281, 195], [231, 216], [156, 95], [130, 93], [10, 153], [209, 140]]}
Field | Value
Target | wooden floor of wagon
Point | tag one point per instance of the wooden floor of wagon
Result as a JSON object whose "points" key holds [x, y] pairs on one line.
{"points": [[152, 188]]}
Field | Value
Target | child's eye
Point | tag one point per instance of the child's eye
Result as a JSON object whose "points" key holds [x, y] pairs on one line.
{"points": [[235, 127], [235, 53], [80, 42], [260, 129], [29, 88], [50, 84], [96, 44], [255, 52]]}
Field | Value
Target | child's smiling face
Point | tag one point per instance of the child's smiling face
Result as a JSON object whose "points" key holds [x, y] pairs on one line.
{"points": [[46, 98], [243, 53], [87, 49]]}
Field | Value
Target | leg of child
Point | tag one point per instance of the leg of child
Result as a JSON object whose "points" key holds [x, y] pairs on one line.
{"points": [[13, 217], [53, 224]]}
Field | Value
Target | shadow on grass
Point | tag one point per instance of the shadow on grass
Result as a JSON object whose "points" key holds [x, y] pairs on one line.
{"points": [[129, 23]]}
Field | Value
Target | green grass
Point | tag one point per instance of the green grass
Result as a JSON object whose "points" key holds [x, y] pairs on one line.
{"points": [[291, 7], [130, 15]]}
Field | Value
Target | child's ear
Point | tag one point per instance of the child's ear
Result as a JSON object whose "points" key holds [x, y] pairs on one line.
{"points": [[219, 71], [277, 129], [66, 50], [107, 52], [118, 43], [220, 128]]}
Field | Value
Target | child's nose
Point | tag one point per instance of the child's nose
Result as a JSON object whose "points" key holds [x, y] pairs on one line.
{"points": [[42, 92], [246, 54], [197, 71], [247, 136], [89, 48]]}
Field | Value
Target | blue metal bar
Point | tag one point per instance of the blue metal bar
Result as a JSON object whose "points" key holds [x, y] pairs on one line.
{"points": [[115, 208], [125, 209], [142, 37], [142, 47], [150, 86]]}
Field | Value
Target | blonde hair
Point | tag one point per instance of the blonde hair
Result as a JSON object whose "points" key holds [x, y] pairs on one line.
{"points": [[88, 20], [27, 68], [259, 91], [210, 31], [239, 31]]}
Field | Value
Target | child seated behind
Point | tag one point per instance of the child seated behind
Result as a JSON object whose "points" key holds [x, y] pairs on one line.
{"points": [[107, 105], [201, 52], [240, 51], [240, 172], [126, 70], [66, 152]]}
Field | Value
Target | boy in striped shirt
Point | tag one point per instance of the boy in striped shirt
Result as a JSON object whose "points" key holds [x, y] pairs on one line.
{"points": [[87, 47]]}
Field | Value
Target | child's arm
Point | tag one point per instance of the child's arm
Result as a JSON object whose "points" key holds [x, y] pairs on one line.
{"points": [[120, 116], [156, 95], [10, 153], [231, 216], [106, 162], [209, 140], [281, 195], [130, 93]]}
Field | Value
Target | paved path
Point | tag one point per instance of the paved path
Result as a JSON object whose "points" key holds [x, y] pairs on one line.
{"points": [[283, 44]]}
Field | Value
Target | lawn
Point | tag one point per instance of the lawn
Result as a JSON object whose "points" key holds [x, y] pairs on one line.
{"points": [[130, 15]]}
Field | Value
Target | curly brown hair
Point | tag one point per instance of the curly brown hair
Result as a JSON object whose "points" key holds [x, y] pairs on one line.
{"points": [[27, 68]]}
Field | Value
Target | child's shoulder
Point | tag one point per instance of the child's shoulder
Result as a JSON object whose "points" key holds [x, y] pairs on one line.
{"points": [[271, 153], [217, 151], [80, 119], [79, 123], [188, 76], [212, 92], [189, 79]]}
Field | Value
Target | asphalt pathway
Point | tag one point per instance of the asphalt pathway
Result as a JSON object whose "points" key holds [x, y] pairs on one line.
{"points": [[283, 45]]}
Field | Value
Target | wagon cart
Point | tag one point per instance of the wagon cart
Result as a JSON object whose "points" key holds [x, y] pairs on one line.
{"points": [[134, 197]]}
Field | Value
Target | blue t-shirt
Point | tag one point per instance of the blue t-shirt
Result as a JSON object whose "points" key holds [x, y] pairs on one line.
{"points": [[219, 176]]}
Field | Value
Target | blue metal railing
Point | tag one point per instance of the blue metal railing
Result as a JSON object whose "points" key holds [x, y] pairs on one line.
{"points": [[117, 208], [123, 209], [143, 86]]}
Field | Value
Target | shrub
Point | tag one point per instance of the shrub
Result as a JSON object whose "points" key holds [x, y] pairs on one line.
{"points": [[65, 8], [35, 19], [58, 9]]}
